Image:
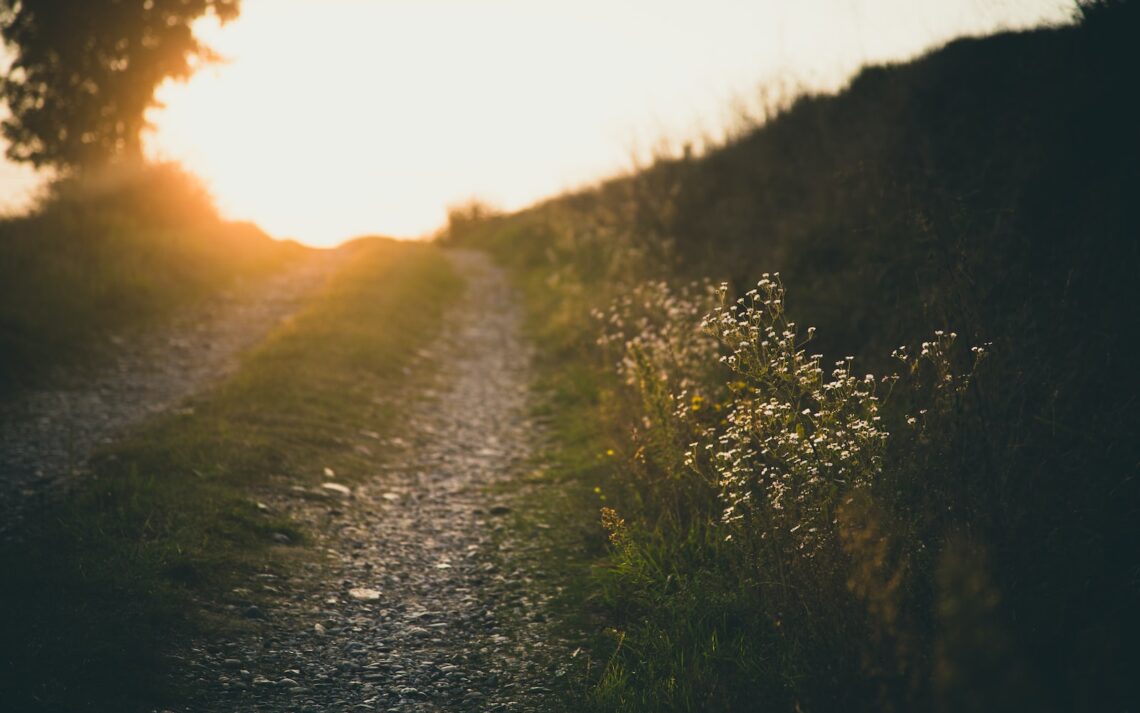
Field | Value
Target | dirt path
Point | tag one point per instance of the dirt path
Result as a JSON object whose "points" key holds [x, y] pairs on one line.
{"points": [[47, 436], [420, 604]]}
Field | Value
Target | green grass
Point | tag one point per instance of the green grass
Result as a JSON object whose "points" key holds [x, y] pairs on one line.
{"points": [[105, 254], [662, 624], [107, 579]]}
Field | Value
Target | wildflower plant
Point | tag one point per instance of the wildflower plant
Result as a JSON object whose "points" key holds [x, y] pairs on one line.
{"points": [[932, 380], [653, 332], [652, 337], [796, 439], [729, 392]]}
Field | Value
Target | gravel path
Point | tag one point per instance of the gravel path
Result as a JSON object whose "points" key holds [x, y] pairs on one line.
{"points": [[46, 436], [421, 603]]}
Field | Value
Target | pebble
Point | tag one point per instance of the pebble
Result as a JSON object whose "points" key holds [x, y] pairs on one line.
{"points": [[337, 488]]}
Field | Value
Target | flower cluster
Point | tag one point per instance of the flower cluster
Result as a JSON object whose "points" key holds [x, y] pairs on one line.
{"points": [[795, 439], [653, 330], [730, 393], [946, 385]]}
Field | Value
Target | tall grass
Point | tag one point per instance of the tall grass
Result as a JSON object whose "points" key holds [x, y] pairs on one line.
{"points": [[950, 534]]}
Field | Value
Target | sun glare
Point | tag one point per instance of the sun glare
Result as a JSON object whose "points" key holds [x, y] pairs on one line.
{"points": [[335, 119]]}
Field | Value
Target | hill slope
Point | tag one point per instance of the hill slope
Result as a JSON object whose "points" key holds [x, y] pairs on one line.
{"points": [[987, 189]]}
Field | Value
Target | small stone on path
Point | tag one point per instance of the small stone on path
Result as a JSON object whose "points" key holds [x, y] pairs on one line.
{"points": [[338, 489]]}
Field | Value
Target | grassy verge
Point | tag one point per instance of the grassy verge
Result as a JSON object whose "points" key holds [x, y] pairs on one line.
{"points": [[89, 601], [655, 629]]}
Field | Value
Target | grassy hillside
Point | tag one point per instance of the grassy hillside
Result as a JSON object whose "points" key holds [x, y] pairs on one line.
{"points": [[783, 534], [107, 253]]}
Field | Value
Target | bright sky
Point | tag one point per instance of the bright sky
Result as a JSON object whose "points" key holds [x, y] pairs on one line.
{"points": [[337, 118]]}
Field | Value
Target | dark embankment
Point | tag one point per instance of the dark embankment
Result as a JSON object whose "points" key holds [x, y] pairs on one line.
{"points": [[111, 252], [985, 557]]}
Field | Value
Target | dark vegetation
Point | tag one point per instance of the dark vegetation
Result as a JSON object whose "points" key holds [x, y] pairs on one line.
{"points": [[84, 72], [989, 189], [94, 594], [111, 251]]}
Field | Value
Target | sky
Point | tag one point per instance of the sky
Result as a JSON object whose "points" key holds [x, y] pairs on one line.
{"points": [[330, 119]]}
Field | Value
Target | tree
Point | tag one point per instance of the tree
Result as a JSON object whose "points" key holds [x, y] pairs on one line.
{"points": [[84, 72]]}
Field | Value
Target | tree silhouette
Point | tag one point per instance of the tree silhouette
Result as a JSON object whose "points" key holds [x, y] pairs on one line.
{"points": [[84, 72]]}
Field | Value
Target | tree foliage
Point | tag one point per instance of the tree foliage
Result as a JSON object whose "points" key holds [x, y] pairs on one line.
{"points": [[84, 72]]}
